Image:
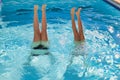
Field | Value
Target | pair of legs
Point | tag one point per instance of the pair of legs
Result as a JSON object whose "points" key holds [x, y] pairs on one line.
{"points": [[78, 34], [40, 35]]}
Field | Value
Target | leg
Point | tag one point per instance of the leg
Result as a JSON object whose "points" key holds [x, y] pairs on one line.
{"points": [[37, 35], [75, 32], [117, 1], [81, 34], [44, 24]]}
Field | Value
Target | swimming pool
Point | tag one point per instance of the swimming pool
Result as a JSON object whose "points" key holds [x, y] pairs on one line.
{"points": [[96, 59]]}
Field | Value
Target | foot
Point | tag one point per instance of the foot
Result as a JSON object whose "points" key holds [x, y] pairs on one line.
{"points": [[72, 11], [35, 7], [78, 12], [117, 1], [44, 7]]}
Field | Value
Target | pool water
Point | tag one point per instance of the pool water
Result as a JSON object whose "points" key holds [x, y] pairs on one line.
{"points": [[98, 58]]}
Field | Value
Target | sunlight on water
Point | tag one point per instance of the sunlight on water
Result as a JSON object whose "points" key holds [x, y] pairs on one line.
{"points": [[98, 56]]}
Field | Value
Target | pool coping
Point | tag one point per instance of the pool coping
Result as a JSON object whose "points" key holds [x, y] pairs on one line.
{"points": [[113, 3]]}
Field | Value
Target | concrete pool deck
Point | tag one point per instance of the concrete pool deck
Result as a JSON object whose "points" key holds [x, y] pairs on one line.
{"points": [[114, 3]]}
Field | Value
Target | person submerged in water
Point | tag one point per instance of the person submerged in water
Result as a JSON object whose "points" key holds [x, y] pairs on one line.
{"points": [[78, 34], [40, 40]]}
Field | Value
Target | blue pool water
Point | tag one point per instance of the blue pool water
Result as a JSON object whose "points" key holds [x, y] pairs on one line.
{"points": [[98, 58]]}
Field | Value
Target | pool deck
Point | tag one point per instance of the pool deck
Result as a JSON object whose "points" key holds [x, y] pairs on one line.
{"points": [[114, 3]]}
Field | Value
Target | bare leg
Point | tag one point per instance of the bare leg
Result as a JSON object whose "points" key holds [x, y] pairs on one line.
{"points": [[37, 36], [76, 35], [44, 24], [81, 34], [117, 1]]}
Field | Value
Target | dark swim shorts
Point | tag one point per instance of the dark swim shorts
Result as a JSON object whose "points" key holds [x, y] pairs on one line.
{"points": [[39, 48]]}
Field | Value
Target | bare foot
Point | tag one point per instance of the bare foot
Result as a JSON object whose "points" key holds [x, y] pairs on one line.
{"points": [[35, 7], [72, 11], [44, 7], [78, 12]]}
